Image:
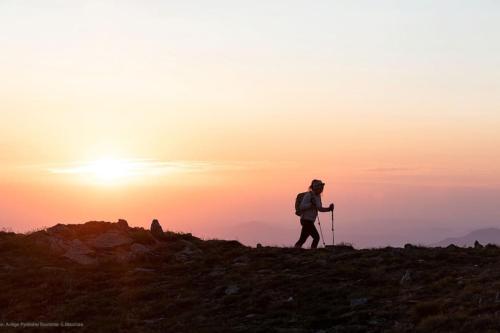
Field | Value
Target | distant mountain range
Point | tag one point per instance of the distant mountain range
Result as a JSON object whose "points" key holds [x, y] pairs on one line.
{"points": [[483, 236], [252, 233]]}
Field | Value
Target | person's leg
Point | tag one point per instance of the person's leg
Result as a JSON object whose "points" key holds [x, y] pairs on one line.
{"points": [[304, 234], [315, 235]]}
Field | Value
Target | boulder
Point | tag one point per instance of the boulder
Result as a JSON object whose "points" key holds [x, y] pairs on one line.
{"points": [[61, 231], [189, 252], [110, 239], [122, 224], [157, 230], [138, 249], [58, 228], [80, 253], [93, 242], [232, 290], [56, 244]]}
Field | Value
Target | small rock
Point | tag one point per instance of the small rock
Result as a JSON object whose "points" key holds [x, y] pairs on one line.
{"points": [[8, 267], [153, 321], [241, 261], [240, 264], [359, 301], [244, 259], [375, 322], [264, 271], [322, 262], [406, 279], [144, 270], [232, 290], [53, 269], [218, 271]]}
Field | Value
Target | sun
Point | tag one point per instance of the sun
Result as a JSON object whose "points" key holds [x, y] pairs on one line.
{"points": [[104, 171], [110, 170]]}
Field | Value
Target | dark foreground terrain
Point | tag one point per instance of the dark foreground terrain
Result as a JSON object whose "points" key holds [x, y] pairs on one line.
{"points": [[109, 277]]}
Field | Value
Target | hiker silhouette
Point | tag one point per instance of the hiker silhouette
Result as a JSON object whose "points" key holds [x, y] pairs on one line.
{"points": [[307, 206]]}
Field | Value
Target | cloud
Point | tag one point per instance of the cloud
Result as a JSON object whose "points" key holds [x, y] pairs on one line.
{"points": [[129, 167], [153, 167], [393, 169]]}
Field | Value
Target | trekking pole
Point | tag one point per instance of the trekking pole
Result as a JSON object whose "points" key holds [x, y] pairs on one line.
{"points": [[321, 232], [333, 231]]}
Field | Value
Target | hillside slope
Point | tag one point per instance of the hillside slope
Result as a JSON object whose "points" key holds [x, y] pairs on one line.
{"points": [[184, 284]]}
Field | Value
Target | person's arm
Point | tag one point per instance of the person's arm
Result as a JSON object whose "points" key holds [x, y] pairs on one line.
{"points": [[321, 208]]}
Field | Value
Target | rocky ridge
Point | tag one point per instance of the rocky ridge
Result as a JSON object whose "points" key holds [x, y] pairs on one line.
{"points": [[113, 278], [96, 241]]}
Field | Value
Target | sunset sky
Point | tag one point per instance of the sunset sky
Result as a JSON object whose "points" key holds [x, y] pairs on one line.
{"points": [[212, 115]]}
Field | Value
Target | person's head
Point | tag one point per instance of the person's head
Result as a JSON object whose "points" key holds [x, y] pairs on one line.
{"points": [[317, 186], [155, 221]]}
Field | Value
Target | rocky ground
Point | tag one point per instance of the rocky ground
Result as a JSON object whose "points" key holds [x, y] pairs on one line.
{"points": [[109, 277]]}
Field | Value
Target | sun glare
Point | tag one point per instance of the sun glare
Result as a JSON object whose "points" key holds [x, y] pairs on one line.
{"points": [[104, 171], [109, 171]]}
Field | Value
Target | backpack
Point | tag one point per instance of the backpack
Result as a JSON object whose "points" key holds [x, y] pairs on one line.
{"points": [[298, 201]]}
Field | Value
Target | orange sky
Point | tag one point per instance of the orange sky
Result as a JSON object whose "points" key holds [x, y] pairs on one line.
{"points": [[213, 118]]}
